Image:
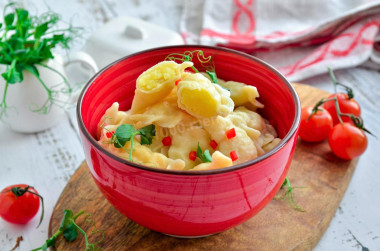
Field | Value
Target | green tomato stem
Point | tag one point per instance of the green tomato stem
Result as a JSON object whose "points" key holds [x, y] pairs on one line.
{"points": [[335, 96], [42, 206]]}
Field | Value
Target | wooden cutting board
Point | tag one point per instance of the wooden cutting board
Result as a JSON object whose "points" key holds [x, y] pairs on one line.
{"points": [[321, 179]]}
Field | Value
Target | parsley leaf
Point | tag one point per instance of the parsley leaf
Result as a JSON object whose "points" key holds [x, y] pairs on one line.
{"points": [[147, 133], [213, 76], [205, 157], [12, 75], [41, 29], [22, 15], [214, 79], [8, 19], [126, 132], [32, 69], [70, 233], [67, 226], [66, 220], [123, 134]]}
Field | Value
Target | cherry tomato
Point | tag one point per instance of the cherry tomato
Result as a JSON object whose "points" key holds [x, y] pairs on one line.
{"points": [[20, 209], [317, 127], [347, 141], [346, 105]]}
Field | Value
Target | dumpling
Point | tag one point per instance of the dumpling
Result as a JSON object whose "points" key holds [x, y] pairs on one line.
{"points": [[157, 145], [241, 143], [241, 118], [243, 94], [219, 160], [201, 98], [112, 119], [165, 113], [248, 120], [185, 140], [268, 138], [145, 156], [263, 134], [156, 83], [271, 144], [253, 119], [192, 111]]}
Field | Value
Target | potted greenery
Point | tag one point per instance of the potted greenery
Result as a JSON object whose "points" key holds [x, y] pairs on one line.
{"points": [[33, 84]]}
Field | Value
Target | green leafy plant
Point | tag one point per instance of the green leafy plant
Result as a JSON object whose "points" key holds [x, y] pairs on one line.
{"points": [[69, 229], [28, 41]]}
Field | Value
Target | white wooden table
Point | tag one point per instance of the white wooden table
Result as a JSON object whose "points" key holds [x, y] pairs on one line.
{"points": [[47, 160]]}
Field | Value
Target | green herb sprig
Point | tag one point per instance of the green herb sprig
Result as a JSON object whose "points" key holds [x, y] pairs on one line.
{"points": [[28, 41], [288, 195], [127, 132], [206, 62], [204, 156], [69, 229]]}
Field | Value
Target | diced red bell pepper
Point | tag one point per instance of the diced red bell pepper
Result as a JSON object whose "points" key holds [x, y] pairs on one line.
{"points": [[233, 155], [167, 141], [193, 155], [176, 82], [231, 133], [213, 144], [109, 134]]}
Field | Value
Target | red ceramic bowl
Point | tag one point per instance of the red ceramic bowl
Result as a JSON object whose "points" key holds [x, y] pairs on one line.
{"points": [[189, 203]]}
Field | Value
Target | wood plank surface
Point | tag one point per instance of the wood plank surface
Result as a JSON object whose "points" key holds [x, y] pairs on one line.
{"points": [[320, 177]]}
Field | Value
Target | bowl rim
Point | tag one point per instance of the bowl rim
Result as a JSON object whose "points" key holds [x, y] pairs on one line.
{"points": [[232, 168]]}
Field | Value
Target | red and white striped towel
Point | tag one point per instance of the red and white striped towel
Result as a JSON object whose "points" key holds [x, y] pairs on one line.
{"points": [[301, 38]]}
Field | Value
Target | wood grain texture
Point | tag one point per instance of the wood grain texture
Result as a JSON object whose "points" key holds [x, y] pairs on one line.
{"points": [[321, 179]]}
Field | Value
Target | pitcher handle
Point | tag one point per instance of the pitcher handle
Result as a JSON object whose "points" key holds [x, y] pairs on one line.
{"points": [[86, 61]]}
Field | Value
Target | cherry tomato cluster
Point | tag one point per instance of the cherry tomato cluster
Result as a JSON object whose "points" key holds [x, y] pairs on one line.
{"points": [[337, 118]]}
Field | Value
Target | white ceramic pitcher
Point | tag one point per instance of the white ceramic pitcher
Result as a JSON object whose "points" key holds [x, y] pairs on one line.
{"points": [[23, 99]]}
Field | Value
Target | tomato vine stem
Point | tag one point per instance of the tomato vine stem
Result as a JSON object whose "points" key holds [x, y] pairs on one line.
{"points": [[332, 75]]}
